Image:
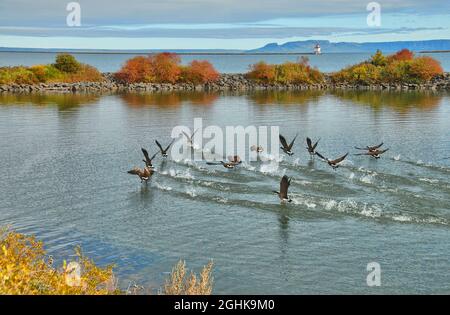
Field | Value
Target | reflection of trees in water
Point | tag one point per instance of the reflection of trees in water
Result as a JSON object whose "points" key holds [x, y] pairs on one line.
{"points": [[163, 99], [285, 97], [400, 101], [61, 100]]}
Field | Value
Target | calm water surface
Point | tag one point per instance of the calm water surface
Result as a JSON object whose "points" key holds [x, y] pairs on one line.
{"points": [[65, 157]]}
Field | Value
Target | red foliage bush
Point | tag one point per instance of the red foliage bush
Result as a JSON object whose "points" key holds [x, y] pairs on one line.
{"points": [[137, 69], [165, 67], [199, 72], [404, 54]]}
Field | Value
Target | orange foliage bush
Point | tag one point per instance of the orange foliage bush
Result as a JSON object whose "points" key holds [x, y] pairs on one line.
{"points": [[425, 68], [262, 72], [404, 54], [165, 67], [137, 69], [199, 72]]}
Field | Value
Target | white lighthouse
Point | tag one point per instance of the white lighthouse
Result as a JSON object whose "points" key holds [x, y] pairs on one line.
{"points": [[317, 49]]}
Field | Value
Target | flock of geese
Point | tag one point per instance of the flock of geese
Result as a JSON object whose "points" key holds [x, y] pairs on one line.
{"points": [[146, 173]]}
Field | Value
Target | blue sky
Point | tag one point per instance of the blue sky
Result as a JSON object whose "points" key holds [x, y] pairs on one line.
{"points": [[214, 24]]}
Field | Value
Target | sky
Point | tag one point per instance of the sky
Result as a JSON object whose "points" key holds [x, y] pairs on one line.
{"points": [[215, 24]]}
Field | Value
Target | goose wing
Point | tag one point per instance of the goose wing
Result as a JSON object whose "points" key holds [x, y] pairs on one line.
{"points": [[283, 142], [186, 135], [382, 151], [292, 142], [284, 185], [169, 145], [315, 144], [309, 143], [193, 134], [374, 147], [339, 160], [148, 160], [321, 156], [159, 146]]}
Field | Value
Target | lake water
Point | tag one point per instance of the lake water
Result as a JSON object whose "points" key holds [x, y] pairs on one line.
{"points": [[223, 63], [63, 167]]}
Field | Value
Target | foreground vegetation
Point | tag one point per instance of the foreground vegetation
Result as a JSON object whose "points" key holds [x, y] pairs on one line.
{"points": [[25, 268], [166, 68], [66, 69], [299, 72], [401, 67]]}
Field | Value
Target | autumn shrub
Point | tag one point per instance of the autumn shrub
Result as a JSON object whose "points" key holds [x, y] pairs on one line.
{"points": [[401, 67], [165, 67], [137, 69], [86, 73], [262, 72], [17, 75], [26, 269], [401, 55], [47, 73], [51, 72], [299, 72], [199, 72], [67, 63], [184, 282], [425, 68]]}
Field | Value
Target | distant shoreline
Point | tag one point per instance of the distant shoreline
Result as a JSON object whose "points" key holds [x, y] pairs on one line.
{"points": [[200, 53], [153, 52], [434, 51]]}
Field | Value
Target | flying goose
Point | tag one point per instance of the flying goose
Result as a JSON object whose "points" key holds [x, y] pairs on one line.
{"points": [[233, 162], [283, 193], [311, 147], [374, 153], [164, 152], [144, 174], [370, 148], [190, 138], [285, 147], [333, 163], [256, 148], [148, 160]]}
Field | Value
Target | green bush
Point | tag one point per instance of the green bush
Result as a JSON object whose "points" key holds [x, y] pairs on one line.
{"points": [[299, 72], [67, 63], [17, 75], [66, 69]]}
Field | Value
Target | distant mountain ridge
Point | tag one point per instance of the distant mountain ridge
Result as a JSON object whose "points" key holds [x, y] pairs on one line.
{"points": [[342, 47], [289, 47]]}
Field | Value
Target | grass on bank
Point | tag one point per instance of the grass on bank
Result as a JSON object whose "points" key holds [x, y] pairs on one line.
{"points": [[401, 67], [66, 69], [26, 269], [299, 72], [166, 68]]}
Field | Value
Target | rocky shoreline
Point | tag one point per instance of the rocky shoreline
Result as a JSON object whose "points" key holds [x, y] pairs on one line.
{"points": [[226, 82]]}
